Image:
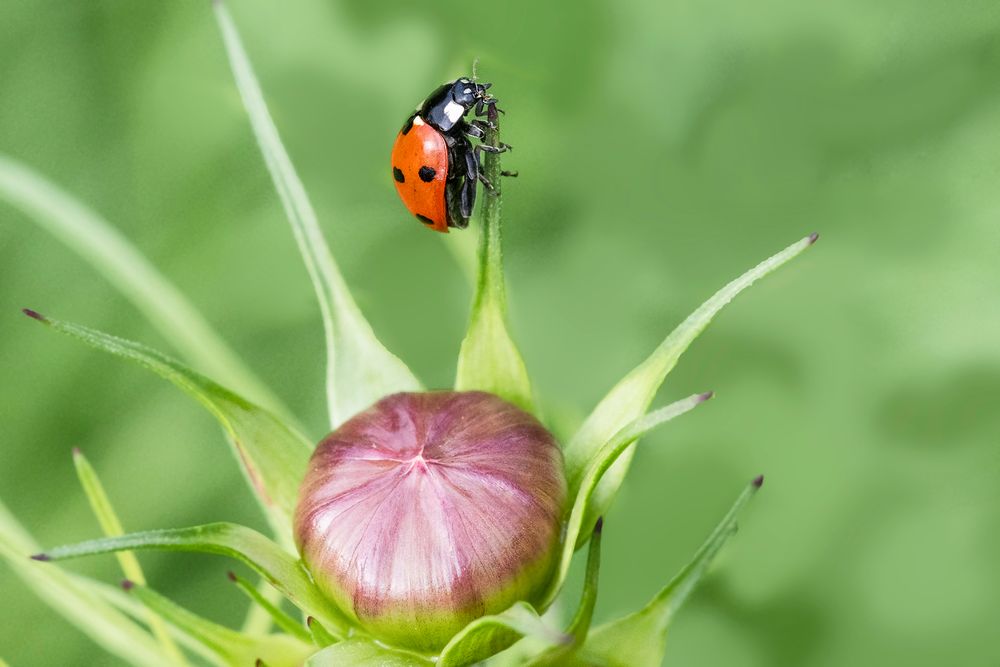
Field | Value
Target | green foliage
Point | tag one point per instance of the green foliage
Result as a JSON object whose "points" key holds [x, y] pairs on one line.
{"points": [[281, 570], [639, 639], [488, 359], [359, 369], [273, 455], [228, 647], [630, 398], [489, 634]]}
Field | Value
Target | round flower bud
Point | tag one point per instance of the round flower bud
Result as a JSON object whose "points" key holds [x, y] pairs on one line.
{"points": [[429, 510]]}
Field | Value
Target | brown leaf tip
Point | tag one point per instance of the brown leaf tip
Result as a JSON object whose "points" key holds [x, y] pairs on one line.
{"points": [[707, 395], [758, 481], [41, 557], [599, 526], [127, 584], [34, 314], [309, 622], [813, 237], [231, 575], [76, 452]]}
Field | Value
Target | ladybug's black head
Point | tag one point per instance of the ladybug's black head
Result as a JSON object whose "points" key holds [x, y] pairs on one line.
{"points": [[469, 93]]}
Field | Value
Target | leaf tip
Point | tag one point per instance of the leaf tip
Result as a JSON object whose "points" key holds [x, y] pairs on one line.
{"points": [[309, 622], [44, 558], [127, 585], [599, 526], [704, 397], [758, 481], [813, 237], [77, 453], [232, 576], [34, 314]]}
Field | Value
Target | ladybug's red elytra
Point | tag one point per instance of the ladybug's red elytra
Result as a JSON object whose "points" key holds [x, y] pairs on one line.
{"points": [[434, 164]]}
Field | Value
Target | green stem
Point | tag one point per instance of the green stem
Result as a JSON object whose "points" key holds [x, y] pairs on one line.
{"points": [[491, 282]]}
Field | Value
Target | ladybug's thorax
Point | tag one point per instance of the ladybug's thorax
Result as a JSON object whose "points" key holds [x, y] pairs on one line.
{"points": [[446, 106]]}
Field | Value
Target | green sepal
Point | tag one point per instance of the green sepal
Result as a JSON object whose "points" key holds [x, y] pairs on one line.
{"points": [[232, 648], [273, 455], [278, 615], [600, 463], [639, 639], [487, 635], [320, 635], [365, 653], [360, 370], [632, 395], [488, 359], [280, 569], [579, 627]]}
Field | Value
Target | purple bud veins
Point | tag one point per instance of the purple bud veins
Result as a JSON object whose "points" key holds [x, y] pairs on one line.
{"points": [[429, 510]]}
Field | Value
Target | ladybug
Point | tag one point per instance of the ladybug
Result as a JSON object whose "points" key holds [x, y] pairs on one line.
{"points": [[435, 166]]}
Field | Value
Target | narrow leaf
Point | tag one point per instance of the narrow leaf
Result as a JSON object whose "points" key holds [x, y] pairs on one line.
{"points": [[360, 370], [280, 618], [489, 359], [600, 463], [112, 527], [128, 271], [639, 639], [580, 625], [364, 653], [273, 455], [320, 636], [112, 630], [489, 634], [632, 395], [233, 648], [281, 570]]}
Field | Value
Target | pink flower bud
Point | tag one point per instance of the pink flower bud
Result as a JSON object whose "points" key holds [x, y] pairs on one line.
{"points": [[429, 510]]}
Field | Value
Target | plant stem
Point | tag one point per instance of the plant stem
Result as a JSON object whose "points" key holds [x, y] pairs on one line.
{"points": [[491, 282]]}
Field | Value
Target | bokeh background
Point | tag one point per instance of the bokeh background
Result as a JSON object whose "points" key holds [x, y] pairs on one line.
{"points": [[663, 147]]}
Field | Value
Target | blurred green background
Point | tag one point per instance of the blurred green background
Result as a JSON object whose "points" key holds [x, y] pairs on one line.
{"points": [[664, 147]]}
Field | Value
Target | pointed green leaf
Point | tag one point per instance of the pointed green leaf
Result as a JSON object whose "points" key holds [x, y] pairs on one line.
{"points": [[281, 570], [231, 647], [364, 653], [91, 614], [360, 370], [489, 359], [600, 463], [639, 639], [489, 634], [278, 615], [320, 636], [128, 271], [632, 395], [273, 455], [112, 527], [580, 625]]}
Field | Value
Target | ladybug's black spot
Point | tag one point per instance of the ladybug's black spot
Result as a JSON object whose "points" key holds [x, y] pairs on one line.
{"points": [[398, 175], [408, 125], [424, 219], [426, 174]]}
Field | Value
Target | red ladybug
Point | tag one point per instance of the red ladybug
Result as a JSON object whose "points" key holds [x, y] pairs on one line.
{"points": [[434, 164]]}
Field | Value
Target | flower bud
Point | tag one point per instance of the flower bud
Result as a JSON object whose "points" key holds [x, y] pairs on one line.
{"points": [[429, 510]]}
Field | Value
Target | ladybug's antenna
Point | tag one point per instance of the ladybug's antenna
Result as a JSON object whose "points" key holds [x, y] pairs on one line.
{"points": [[475, 69]]}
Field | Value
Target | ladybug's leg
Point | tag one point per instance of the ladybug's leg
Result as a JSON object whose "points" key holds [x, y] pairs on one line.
{"points": [[468, 201]]}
